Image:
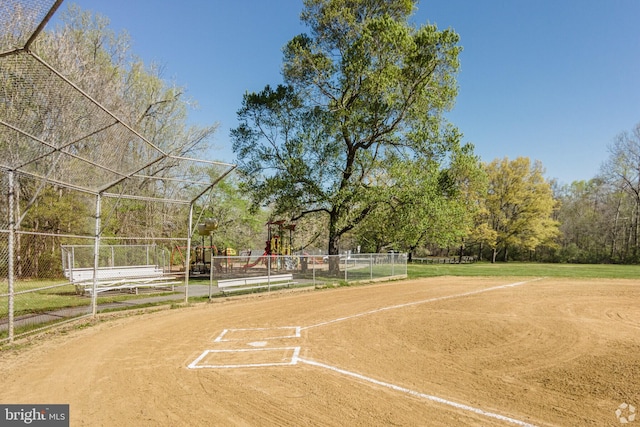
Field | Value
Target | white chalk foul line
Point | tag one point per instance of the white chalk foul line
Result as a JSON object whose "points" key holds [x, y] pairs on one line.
{"points": [[418, 394], [409, 304]]}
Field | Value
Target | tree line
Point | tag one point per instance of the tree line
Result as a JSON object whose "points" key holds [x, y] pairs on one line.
{"points": [[599, 217], [353, 146]]}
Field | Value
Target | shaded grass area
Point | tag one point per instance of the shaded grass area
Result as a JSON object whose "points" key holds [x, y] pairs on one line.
{"points": [[47, 296], [36, 297], [516, 269]]}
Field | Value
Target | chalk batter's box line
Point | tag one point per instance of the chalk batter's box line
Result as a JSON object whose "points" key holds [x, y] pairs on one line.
{"points": [[293, 361], [296, 334]]}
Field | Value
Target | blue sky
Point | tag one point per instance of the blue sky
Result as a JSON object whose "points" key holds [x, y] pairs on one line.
{"points": [[552, 80]]}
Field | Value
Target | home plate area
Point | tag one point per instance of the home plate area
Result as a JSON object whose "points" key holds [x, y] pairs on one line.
{"points": [[250, 347]]}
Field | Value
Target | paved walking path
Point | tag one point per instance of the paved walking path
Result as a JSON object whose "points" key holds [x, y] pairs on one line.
{"points": [[71, 312]]}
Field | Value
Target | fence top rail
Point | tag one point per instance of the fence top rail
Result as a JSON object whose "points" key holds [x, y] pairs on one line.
{"points": [[110, 246], [118, 268], [272, 277]]}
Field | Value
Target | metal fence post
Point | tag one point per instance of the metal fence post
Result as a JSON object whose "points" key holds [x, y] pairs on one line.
{"points": [[96, 258], [346, 267], [268, 272], [187, 263], [371, 266], [393, 265], [12, 225]]}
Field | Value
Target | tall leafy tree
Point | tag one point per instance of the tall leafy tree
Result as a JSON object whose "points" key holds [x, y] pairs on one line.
{"points": [[363, 89], [519, 205], [427, 203]]}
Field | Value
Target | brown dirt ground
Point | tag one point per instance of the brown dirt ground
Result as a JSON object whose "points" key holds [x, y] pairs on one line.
{"points": [[547, 352]]}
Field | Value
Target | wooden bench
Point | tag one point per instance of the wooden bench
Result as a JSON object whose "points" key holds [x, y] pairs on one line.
{"points": [[128, 279], [256, 282]]}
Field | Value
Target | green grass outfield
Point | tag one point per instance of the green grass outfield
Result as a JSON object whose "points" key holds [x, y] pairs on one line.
{"points": [[517, 269]]}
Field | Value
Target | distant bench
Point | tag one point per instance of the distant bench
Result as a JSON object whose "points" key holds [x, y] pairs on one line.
{"points": [[129, 278], [257, 282], [447, 260]]}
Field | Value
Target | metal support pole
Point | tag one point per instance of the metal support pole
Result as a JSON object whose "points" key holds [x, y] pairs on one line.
{"points": [[269, 273], [96, 257], [371, 266], [346, 277], [69, 264], [211, 262], [188, 255], [12, 230], [211, 277], [393, 263]]}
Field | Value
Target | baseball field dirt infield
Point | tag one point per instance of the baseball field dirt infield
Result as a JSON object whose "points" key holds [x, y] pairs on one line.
{"points": [[445, 351]]}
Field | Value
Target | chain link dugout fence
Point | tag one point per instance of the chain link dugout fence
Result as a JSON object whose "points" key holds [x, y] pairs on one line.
{"points": [[310, 269], [248, 273], [307, 269], [74, 175]]}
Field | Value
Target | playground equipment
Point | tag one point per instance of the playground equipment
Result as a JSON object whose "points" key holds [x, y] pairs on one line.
{"points": [[202, 256], [276, 246], [201, 262], [207, 258]]}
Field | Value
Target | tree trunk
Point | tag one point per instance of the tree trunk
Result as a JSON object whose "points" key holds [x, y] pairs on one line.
{"points": [[635, 230], [410, 255], [334, 248], [614, 237], [494, 254]]}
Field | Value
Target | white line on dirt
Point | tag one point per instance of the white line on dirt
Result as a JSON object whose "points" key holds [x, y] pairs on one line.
{"points": [[220, 338], [418, 394], [409, 304], [295, 352], [222, 334]]}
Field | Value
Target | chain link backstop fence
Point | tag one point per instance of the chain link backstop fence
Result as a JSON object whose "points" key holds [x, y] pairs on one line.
{"points": [[94, 215], [73, 174]]}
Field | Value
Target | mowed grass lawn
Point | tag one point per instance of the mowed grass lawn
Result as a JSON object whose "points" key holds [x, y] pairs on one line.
{"points": [[517, 269]]}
